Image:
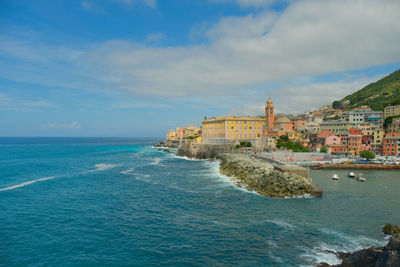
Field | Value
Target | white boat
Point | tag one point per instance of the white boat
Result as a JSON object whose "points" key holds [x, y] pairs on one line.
{"points": [[351, 174], [360, 179], [335, 177]]}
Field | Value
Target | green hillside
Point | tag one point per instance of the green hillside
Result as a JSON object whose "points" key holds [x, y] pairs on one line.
{"points": [[376, 95]]}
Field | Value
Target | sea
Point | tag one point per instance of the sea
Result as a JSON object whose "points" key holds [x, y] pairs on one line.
{"points": [[121, 202]]}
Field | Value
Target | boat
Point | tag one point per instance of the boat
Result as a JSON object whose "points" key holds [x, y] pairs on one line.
{"points": [[361, 179], [335, 177], [351, 174]]}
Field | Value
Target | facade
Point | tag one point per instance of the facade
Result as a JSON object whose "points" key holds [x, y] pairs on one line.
{"points": [[391, 144], [394, 127], [332, 140], [338, 127], [365, 115], [283, 124], [295, 136], [354, 141], [183, 132], [340, 149], [391, 111], [171, 135], [229, 129]]}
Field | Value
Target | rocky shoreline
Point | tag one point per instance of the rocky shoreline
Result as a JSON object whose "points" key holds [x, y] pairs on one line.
{"points": [[386, 256]]}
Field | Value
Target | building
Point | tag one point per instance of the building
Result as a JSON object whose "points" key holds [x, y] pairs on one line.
{"points": [[391, 144], [295, 136], [183, 132], [339, 149], [354, 141], [365, 115], [338, 127], [283, 124], [269, 117], [229, 129], [377, 140], [171, 135], [391, 111], [332, 140], [394, 126]]}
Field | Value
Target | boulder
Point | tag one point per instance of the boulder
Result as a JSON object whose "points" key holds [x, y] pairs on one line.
{"points": [[391, 229]]}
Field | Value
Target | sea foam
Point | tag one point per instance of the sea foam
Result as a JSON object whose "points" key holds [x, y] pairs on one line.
{"points": [[103, 167], [27, 183]]}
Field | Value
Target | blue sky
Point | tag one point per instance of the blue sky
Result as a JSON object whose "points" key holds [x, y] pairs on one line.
{"points": [[141, 67]]}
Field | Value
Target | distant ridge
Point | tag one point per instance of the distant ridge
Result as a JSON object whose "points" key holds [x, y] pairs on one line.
{"points": [[377, 95]]}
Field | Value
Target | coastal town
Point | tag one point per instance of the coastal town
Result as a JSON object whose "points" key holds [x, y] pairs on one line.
{"points": [[359, 134]]}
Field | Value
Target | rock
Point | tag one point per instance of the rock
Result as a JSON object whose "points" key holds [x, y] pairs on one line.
{"points": [[324, 264], [391, 229], [159, 149], [316, 191], [387, 256], [261, 176], [166, 150]]}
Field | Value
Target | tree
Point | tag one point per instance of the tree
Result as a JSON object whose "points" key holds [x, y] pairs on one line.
{"points": [[284, 138], [367, 154], [245, 144], [324, 149], [337, 105]]}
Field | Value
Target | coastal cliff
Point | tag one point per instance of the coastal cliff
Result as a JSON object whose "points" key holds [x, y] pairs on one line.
{"points": [[260, 176], [386, 256], [202, 151]]}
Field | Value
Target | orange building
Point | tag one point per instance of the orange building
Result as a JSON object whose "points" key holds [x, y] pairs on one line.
{"points": [[354, 141], [391, 144]]}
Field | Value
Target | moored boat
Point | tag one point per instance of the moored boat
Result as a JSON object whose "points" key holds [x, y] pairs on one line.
{"points": [[335, 177], [361, 179], [351, 174]]}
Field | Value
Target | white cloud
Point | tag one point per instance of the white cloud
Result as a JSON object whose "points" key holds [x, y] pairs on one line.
{"points": [[65, 125], [248, 3], [154, 37], [307, 39], [26, 105], [148, 3]]}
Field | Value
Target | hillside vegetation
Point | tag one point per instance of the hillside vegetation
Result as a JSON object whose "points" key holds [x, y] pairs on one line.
{"points": [[377, 95]]}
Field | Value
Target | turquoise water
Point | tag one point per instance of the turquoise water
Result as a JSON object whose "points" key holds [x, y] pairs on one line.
{"points": [[117, 202]]}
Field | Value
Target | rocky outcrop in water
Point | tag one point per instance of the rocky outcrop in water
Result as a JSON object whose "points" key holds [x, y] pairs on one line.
{"points": [[386, 256], [391, 229], [169, 144], [260, 176]]}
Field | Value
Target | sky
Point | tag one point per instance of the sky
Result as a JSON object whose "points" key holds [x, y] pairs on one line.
{"points": [[137, 68]]}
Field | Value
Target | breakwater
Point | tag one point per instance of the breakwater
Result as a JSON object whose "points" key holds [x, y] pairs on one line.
{"points": [[260, 176]]}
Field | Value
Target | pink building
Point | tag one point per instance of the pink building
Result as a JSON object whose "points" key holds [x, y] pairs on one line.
{"points": [[332, 140]]}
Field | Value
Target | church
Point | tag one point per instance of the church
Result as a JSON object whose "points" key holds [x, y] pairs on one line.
{"points": [[275, 126]]}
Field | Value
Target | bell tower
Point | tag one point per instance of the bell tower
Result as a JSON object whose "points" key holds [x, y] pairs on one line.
{"points": [[269, 115]]}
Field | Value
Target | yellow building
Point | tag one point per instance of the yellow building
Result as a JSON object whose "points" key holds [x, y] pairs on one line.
{"points": [[171, 135], [294, 136], [231, 128], [391, 111]]}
